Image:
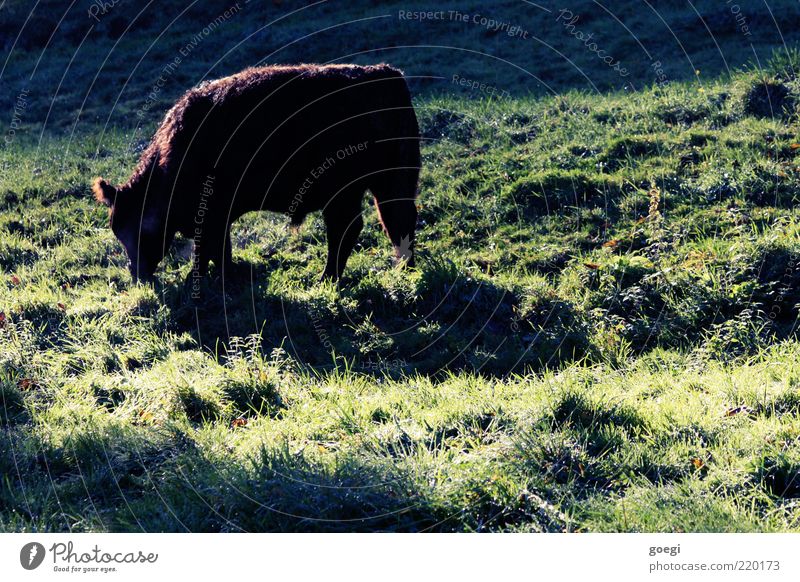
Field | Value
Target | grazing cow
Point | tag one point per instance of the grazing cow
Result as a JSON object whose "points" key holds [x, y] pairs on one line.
{"points": [[290, 139]]}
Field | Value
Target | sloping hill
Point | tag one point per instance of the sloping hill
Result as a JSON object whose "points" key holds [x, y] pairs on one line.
{"points": [[600, 335]]}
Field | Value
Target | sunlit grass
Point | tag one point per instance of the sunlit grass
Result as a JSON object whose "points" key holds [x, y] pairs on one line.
{"points": [[600, 335]]}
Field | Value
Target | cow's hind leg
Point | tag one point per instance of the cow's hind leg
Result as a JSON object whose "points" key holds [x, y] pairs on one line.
{"points": [[397, 211], [344, 224]]}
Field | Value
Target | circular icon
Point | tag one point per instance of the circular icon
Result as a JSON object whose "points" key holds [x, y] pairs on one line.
{"points": [[31, 555]]}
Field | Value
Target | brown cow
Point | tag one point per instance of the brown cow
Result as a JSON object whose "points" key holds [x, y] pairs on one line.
{"points": [[290, 139]]}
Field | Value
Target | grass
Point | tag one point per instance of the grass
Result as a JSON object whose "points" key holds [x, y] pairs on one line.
{"points": [[601, 334]]}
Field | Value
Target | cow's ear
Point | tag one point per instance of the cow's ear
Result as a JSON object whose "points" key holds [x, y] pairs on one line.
{"points": [[104, 192]]}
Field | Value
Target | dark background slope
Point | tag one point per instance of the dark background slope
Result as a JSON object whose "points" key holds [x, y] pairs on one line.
{"points": [[82, 62]]}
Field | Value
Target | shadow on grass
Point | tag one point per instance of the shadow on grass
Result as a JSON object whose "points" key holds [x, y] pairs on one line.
{"points": [[155, 479], [447, 321]]}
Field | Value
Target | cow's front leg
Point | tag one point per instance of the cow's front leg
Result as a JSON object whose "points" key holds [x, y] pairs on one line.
{"points": [[223, 257], [214, 245], [200, 258]]}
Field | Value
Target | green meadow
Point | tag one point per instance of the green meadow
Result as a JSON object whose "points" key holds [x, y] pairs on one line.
{"points": [[600, 334]]}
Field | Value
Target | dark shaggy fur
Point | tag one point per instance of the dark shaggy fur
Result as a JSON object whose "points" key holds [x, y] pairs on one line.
{"points": [[290, 139]]}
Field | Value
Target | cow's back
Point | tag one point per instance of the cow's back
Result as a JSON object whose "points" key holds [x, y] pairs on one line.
{"points": [[288, 139]]}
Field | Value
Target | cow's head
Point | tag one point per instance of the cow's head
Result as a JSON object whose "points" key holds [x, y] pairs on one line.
{"points": [[139, 222]]}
